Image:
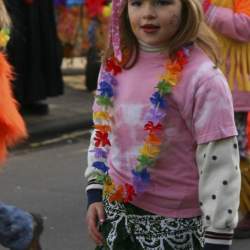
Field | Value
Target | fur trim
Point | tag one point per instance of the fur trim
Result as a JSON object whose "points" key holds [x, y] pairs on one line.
{"points": [[12, 127]]}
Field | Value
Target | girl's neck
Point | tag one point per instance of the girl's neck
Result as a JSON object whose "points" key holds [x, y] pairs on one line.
{"points": [[150, 48]]}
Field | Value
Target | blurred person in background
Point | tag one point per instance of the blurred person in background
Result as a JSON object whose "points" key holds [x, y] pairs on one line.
{"points": [[230, 19], [19, 230], [98, 13], [34, 51]]}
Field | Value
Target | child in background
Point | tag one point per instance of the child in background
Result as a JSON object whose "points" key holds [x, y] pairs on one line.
{"points": [[98, 13], [230, 19], [163, 160], [19, 230]]}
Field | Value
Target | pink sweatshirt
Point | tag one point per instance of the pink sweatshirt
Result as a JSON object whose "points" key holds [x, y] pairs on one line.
{"points": [[200, 110], [235, 26]]}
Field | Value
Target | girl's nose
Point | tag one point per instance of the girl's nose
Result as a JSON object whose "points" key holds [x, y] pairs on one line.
{"points": [[148, 17], [149, 11]]}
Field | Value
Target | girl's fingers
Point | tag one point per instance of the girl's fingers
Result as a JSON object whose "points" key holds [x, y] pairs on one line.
{"points": [[93, 216], [100, 213], [95, 234]]}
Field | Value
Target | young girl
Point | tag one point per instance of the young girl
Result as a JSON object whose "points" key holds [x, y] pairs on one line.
{"points": [[19, 230], [230, 19], [164, 149]]}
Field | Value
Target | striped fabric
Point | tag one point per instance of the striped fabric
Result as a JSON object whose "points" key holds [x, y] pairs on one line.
{"points": [[218, 238]]}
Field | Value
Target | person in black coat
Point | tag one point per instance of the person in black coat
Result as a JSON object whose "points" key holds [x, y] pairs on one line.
{"points": [[35, 53]]}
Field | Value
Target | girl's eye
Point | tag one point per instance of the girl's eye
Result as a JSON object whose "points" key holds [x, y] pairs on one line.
{"points": [[155, 2], [135, 2], [163, 2]]}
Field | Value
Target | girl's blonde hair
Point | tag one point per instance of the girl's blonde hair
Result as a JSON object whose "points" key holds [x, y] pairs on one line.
{"points": [[4, 17], [193, 29]]}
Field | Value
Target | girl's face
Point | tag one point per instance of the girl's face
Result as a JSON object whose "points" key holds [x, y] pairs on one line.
{"points": [[154, 22]]}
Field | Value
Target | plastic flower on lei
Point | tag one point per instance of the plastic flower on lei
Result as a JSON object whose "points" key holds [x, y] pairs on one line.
{"points": [[113, 66], [150, 150], [108, 187], [101, 166], [145, 160], [103, 128], [155, 115], [140, 180], [105, 89], [170, 78], [163, 87], [118, 195], [150, 127], [153, 139], [101, 139], [99, 153], [101, 115], [130, 193], [123, 193], [107, 77], [158, 100], [104, 101]]}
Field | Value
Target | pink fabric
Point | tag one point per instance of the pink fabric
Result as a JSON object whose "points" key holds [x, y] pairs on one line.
{"points": [[200, 110], [237, 27], [115, 28], [230, 24]]}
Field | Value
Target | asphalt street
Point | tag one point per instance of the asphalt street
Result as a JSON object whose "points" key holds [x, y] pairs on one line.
{"points": [[47, 178]]}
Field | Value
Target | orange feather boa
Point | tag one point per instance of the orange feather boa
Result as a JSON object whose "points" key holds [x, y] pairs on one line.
{"points": [[12, 126]]}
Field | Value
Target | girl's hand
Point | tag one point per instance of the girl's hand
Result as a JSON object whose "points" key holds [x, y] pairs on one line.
{"points": [[95, 217]]}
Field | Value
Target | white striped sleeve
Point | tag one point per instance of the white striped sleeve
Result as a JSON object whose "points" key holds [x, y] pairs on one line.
{"points": [[90, 170]]}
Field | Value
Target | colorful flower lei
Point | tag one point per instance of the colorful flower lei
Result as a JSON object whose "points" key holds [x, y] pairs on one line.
{"points": [[4, 37], [150, 150]]}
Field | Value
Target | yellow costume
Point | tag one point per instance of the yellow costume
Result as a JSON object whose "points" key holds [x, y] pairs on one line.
{"points": [[237, 52]]}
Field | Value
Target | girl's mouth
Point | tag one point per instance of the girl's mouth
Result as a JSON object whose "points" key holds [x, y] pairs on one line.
{"points": [[150, 28]]}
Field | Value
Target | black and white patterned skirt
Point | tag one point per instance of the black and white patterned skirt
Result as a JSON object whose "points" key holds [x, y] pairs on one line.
{"points": [[130, 228]]}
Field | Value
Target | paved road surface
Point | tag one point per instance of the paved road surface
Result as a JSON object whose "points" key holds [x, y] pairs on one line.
{"points": [[49, 180]]}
